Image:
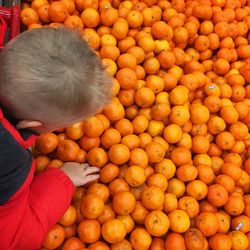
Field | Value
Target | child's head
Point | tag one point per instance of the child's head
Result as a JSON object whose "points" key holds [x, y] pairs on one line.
{"points": [[52, 77]]}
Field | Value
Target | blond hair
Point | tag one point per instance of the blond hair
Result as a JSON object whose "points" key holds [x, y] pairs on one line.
{"points": [[47, 71]]}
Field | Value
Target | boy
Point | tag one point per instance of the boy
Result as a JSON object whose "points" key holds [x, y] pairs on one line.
{"points": [[49, 79]]}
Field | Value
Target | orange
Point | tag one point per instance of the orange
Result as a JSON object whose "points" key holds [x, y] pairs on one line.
{"points": [[46, 143], [229, 114], [157, 223], [194, 239], [110, 137], [123, 203], [81, 5], [93, 127], [99, 245], [157, 244], [125, 44], [158, 180], [43, 13], [41, 163], [90, 17], [146, 43], [232, 170], [216, 125], [29, 16], [131, 141], [97, 157], [187, 173], [107, 214], [234, 205], [155, 152], [176, 187], [93, 39], [88, 143], [179, 221], [152, 197], [140, 239], [124, 126], [205, 174], [57, 163], [135, 176], [179, 115], [119, 154], [180, 35], [73, 243], [197, 189], [74, 22], [118, 185], [217, 195], [172, 133], [139, 213], [110, 51], [70, 5], [134, 19], [120, 28], [67, 150], [199, 113], [126, 60], [200, 144], [91, 206], [109, 16], [166, 167], [75, 131], [226, 181], [144, 97], [99, 189], [54, 237], [170, 202], [225, 140], [57, 12], [224, 221], [220, 242], [244, 220], [239, 240], [69, 217], [181, 156], [36, 4], [113, 231], [167, 59], [114, 111], [175, 241], [89, 231], [127, 221], [189, 205], [207, 223], [126, 77], [161, 30], [122, 245], [190, 81], [155, 83], [239, 130], [179, 95]]}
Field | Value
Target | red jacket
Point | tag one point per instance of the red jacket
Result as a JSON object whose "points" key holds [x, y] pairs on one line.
{"points": [[36, 204]]}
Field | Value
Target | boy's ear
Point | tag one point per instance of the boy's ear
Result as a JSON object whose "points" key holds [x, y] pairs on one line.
{"points": [[23, 124]]}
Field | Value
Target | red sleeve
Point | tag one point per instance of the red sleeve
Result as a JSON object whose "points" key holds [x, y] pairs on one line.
{"points": [[26, 220], [50, 196]]}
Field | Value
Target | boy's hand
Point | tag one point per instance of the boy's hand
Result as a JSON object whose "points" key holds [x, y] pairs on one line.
{"points": [[80, 174]]}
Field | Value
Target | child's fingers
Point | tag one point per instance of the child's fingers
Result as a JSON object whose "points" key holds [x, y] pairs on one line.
{"points": [[91, 170], [90, 178]]}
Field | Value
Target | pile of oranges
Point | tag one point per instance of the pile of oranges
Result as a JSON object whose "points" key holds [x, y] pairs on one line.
{"points": [[173, 146]]}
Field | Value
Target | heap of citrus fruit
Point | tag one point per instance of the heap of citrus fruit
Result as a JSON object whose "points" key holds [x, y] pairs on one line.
{"points": [[173, 145]]}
